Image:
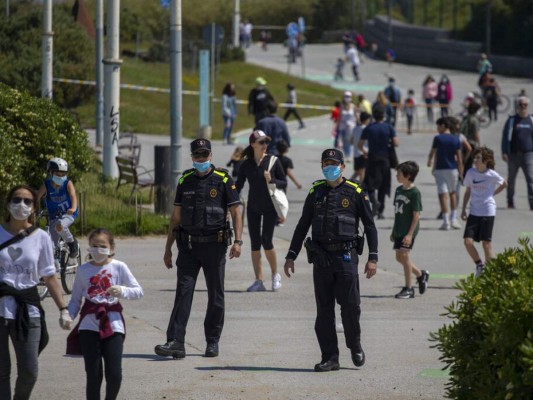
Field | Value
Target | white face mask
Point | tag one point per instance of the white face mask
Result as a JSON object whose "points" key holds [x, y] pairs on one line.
{"points": [[20, 211], [99, 254]]}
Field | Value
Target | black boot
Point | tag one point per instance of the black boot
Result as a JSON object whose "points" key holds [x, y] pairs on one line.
{"points": [[172, 348]]}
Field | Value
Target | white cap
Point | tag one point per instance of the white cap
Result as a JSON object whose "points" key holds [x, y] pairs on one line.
{"points": [[347, 94]]}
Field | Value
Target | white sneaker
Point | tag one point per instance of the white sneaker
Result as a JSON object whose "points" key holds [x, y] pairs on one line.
{"points": [[479, 270], [257, 286], [276, 282], [444, 227], [456, 224]]}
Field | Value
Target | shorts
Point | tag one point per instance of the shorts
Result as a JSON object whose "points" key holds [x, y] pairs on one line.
{"points": [[399, 246], [359, 162], [446, 180], [479, 228]]}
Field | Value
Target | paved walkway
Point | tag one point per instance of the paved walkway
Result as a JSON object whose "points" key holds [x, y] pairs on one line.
{"points": [[268, 347]]}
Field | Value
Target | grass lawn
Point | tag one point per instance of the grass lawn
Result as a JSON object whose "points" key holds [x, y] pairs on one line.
{"points": [[147, 112]]}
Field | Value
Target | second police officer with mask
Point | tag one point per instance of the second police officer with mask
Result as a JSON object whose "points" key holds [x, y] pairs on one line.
{"points": [[200, 228], [333, 209]]}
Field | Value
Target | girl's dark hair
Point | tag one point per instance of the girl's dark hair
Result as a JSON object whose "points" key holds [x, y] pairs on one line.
{"points": [[248, 152], [9, 197], [487, 156], [229, 89], [103, 231], [282, 147], [409, 169]]}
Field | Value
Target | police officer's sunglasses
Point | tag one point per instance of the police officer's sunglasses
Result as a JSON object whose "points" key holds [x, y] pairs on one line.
{"points": [[201, 154]]}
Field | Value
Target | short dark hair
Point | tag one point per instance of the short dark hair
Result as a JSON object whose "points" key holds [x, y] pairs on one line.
{"points": [[378, 112], [409, 169], [364, 116], [453, 124], [282, 147], [444, 121], [272, 106]]}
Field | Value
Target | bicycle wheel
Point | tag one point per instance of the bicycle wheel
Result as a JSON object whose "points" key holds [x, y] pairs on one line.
{"points": [[42, 289], [69, 267], [504, 103]]}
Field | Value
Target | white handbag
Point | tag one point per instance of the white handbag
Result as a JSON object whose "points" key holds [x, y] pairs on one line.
{"points": [[278, 196]]}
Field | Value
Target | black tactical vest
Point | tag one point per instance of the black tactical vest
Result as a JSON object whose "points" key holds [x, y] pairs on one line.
{"points": [[335, 216], [203, 203]]}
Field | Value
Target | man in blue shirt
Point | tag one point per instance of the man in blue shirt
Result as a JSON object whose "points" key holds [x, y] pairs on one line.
{"points": [[447, 170], [274, 127], [380, 137], [517, 150]]}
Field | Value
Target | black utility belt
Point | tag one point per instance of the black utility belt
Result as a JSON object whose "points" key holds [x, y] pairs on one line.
{"points": [[342, 246], [219, 237]]}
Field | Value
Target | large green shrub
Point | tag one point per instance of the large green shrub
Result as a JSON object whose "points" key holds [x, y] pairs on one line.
{"points": [[20, 52], [489, 345], [33, 130]]}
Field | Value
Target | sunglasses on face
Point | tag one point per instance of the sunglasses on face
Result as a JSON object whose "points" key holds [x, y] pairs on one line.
{"points": [[17, 200], [523, 104], [200, 154]]}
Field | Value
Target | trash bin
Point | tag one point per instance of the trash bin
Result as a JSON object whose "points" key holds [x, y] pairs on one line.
{"points": [[164, 192]]}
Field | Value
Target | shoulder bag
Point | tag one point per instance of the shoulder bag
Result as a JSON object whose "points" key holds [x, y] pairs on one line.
{"points": [[278, 196]]}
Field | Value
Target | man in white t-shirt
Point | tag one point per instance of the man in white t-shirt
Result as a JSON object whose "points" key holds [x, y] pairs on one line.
{"points": [[353, 56], [482, 184]]}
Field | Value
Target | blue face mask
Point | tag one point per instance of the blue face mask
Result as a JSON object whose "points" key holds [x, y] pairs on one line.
{"points": [[332, 172], [201, 166], [59, 180]]}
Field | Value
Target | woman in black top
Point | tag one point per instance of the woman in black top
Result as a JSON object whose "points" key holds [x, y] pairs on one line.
{"points": [[255, 170]]}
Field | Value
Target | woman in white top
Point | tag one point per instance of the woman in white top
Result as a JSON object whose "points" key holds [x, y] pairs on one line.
{"points": [[22, 264], [346, 124], [101, 330]]}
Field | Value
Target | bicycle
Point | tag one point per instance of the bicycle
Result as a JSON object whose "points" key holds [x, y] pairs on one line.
{"points": [[65, 266]]}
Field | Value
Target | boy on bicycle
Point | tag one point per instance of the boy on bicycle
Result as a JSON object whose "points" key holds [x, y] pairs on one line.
{"points": [[61, 203]]}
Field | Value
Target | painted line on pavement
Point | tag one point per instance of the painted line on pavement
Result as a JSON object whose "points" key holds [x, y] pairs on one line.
{"points": [[434, 373], [447, 276]]}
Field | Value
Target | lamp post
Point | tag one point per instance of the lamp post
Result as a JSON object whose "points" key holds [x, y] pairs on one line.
{"points": [[176, 117], [47, 51]]}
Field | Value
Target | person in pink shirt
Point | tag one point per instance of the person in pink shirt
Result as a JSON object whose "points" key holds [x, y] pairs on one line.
{"points": [[429, 93]]}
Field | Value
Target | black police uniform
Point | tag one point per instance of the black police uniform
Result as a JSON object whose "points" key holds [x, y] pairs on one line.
{"points": [[334, 215], [202, 243]]}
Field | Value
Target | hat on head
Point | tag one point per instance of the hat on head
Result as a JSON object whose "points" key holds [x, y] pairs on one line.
{"points": [[391, 79], [258, 135], [200, 144], [347, 94], [333, 154], [260, 80]]}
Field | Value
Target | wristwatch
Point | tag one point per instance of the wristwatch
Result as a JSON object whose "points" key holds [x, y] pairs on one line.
{"points": [[237, 241]]}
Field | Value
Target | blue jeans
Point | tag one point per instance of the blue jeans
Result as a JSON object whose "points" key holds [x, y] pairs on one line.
{"points": [[517, 161], [26, 353], [228, 126], [344, 135]]}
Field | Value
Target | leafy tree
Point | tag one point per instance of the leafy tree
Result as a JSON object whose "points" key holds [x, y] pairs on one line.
{"points": [[20, 52]]}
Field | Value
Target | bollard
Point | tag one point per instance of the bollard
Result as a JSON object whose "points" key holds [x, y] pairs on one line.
{"points": [[164, 193]]}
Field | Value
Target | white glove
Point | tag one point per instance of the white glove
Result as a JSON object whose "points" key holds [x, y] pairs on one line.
{"points": [[65, 321], [116, 291]]}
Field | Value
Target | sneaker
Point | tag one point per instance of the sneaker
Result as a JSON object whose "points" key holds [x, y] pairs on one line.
{"points": [[73, 249], [276, 282], [406, 293], [456, 224], [444, 227], [171, 348], [257, 286], [423, 281], [479, 270]]}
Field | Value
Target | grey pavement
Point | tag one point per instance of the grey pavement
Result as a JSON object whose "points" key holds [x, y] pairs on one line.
{"points": [[268, 347]]}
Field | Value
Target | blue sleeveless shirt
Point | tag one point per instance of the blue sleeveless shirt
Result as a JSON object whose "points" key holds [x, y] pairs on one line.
{"points": [[58, 199]]}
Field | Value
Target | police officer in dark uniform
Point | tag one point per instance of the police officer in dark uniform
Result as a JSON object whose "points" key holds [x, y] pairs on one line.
{"points": [[200, 228], [333, 208]]}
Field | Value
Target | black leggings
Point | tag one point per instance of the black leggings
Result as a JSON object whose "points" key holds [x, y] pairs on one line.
{"points": [[94, 349], [258, 238]]}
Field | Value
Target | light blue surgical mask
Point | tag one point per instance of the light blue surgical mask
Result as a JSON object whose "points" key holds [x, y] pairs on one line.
{"points": [[201, 166], [59, 180], [332, 172]]}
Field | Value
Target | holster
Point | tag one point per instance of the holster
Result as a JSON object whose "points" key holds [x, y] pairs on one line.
{"points": [[182, 240], [228, 235], [315, 253], [359, 244]]}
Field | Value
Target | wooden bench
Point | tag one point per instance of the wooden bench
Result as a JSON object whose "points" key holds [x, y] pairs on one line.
{"points": [[129, 147], [129, 174]]}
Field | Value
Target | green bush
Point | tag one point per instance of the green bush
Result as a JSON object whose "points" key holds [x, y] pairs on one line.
{"points": [[21, 59], [32, 131], [489, 345]]}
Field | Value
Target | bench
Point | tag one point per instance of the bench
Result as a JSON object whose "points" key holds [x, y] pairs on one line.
{"points": [[129, 174], [129, 147]]}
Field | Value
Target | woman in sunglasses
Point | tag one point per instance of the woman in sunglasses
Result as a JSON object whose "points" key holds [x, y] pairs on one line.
{"points": [[22, 263], [260, 211]]}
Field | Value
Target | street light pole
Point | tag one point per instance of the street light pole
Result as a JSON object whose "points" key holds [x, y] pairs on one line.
{"points": [[47, 51], [112, 89], [99, 72], [236, 23], [176, 117]]}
